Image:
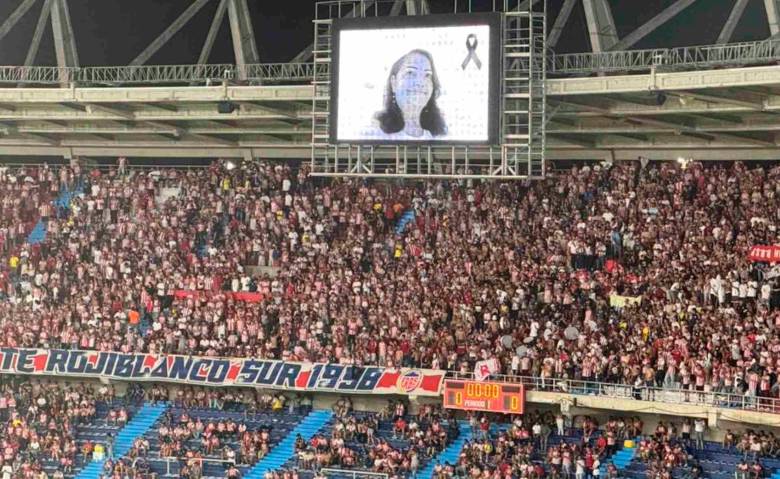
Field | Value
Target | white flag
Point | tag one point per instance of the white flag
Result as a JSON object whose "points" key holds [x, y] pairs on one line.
{"points": [[485, 368]]}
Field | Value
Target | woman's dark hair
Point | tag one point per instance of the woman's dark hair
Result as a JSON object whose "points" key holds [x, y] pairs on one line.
{"points": [[391, 120]]}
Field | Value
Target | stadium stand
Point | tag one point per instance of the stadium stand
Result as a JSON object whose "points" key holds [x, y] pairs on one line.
{"points": [[414, 275], [162, 278], [428, 246]]}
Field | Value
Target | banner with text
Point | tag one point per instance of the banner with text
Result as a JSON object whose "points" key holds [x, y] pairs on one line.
{"points": [[207, 371], [765, 254], [619, 302]]}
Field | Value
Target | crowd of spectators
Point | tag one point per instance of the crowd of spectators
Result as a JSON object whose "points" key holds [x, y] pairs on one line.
{"points": [[38, 422], [662, 455], [527, 273], [212, 438], [354, 442], [522, 447]]}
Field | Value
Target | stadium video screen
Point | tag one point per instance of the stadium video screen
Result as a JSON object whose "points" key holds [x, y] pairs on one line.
{"points": [[415, 80]]}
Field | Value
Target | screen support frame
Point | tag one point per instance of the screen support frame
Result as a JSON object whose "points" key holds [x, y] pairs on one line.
{"points": [[520, 153]]}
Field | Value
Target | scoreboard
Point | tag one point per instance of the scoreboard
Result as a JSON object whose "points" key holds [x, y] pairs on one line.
{"points": [[488, 396]]}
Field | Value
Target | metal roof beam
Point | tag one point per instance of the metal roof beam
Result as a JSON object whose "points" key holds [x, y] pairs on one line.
{"points": [[49, 140], [731, 119], [64, 40], [677, 127], [169, 32], [244, 45], [621, 125], [745, 138], [396, 8], [733, 20], [127, 115], [164, 106], [650, 26], [772, 8], [103, 136], [417, 7], [273, 108], [601, 25], [73, 106], [174, 130], [216, 23], [306, 54], [754, 105], [14, 17], [630, 136], [576, 141], [40, 27], [560, 23], [52, 124], [209, 138]]}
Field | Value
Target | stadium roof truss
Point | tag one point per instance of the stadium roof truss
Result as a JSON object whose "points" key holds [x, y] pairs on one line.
{"points": [[711, 102]]}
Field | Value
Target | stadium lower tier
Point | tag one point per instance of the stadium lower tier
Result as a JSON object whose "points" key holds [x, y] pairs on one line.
{"points": [[234, 442]]}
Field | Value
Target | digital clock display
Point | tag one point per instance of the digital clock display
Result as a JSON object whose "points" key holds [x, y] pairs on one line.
{"points": [[506, 398]]}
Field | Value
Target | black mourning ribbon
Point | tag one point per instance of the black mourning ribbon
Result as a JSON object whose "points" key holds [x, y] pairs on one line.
{"points": [[471, 46]]}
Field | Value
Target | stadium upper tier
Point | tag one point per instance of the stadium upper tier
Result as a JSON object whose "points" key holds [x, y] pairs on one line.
{"points": [[628, 274]]}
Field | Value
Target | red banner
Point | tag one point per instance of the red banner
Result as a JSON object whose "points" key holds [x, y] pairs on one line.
{"points": [[765, 254], [239, 296]]}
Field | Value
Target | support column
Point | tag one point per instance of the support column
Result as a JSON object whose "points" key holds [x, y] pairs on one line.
{"points": [[244, 45], [601, 25]]}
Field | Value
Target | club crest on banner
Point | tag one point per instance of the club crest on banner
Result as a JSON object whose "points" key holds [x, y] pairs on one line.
{"points": [[409, 381]]}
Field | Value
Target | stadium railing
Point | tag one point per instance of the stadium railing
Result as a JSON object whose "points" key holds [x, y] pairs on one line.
{"points": [[179, 460], [682, 58], [329, 471], [763, 52], [669, 395]]}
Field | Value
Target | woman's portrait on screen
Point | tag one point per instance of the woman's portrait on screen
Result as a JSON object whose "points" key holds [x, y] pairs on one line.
{"points": [[410, 94]]}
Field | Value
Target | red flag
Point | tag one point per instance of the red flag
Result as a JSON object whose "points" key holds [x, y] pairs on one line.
{"points": [[93, 360], [431, 383], [149, 361], [39, 362], [302, 379], [233, 371], [389, 379]]}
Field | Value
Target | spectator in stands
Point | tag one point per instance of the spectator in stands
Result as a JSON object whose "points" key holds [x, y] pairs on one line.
{"points": [[699, 427]]}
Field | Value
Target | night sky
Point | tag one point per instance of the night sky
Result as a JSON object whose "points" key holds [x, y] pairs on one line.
{"points": [[113, 32]]}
